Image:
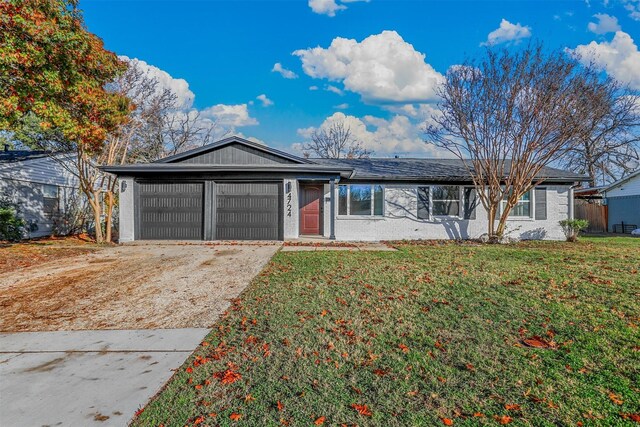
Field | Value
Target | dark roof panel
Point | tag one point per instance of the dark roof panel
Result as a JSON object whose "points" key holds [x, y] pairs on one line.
{"points": [[423, 169], [11, 156]]}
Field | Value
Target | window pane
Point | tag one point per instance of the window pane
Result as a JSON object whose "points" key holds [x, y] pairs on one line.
{"points": [[360, 200], [521, 209], [342, 200], [378, 200], [50, 191], [446, 208], [525, 196], [446, 192]]}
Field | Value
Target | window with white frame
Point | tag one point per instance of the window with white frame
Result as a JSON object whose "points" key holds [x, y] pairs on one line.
{"points": [[445, 200], [50, 200], [361, 199], [522, 207]]}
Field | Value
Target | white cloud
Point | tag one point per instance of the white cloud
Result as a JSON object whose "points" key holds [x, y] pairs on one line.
{"points": [[342, 106], [266, 102], [180, 87], [620, 58], [381, 68], [507, 32], [633, 7], [230, 115], [334, 89], [329, 7], [326, 7], [395, 136], [313, 87], [287, 74], [606, 24]]}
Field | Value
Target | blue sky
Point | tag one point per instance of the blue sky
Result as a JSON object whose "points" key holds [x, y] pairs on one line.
{"points": [[226, 52]]}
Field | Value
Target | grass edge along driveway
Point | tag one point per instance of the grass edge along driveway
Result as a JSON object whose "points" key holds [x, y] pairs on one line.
{"points": [[438, 333]]}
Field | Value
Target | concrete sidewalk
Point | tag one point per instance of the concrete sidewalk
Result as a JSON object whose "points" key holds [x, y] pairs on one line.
{"points": [[84, 378]]}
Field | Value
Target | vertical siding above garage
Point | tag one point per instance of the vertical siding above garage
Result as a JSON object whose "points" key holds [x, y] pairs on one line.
{"points": [[236, 154]]}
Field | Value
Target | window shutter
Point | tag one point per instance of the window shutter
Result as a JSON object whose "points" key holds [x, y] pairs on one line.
{"points": [[470, 203], [541, 203], [423, 202]]}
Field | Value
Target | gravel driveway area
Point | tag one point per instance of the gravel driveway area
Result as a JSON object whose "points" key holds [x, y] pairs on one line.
{"points": [[143, 286]]}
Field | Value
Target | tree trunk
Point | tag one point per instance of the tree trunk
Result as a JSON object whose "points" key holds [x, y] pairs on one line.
{"points": [[491, 224], [109, 216], [94, 201]]}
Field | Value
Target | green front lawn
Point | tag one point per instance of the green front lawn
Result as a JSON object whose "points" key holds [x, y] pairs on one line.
{"points": [[433, 334]]}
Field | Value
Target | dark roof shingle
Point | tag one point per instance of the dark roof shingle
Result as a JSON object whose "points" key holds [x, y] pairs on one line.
{"points": [[11, 156], [422, 169]]}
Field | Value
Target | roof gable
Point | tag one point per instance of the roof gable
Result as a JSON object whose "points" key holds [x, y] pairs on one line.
{"points": [[631, 176], [234, 151]]}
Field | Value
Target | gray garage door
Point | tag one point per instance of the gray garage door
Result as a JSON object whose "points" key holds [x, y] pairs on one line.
{"points": [[248, 211], [170, 210]]}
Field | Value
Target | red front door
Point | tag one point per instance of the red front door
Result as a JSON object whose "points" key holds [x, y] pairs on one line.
{"points": [[310, 210]]}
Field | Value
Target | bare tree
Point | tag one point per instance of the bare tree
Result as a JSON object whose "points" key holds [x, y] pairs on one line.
{"points": [[187, 130], [507, 116], [336, 142], [611, 149]]}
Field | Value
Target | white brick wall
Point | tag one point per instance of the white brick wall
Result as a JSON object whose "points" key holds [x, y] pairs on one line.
{"points": [[400, 220]]}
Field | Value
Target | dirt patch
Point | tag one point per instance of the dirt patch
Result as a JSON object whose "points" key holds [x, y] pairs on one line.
{"points": [[129, 287], [17, 256]]}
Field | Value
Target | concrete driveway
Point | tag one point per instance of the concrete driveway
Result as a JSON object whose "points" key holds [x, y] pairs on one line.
{"points": [[87, 340], [83, 378]]}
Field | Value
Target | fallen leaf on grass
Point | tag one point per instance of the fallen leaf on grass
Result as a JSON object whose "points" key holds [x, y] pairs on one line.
{"points": [[404, 348], [235, 417], [280, 406], [512, 407], [228, 376], [319, 421], [538, 342], [447, 421], [632, 417], [504, 419], [362, 409], [615, 399]]}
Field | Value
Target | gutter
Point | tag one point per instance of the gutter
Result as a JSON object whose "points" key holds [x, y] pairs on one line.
{"points": [[196, 168]]}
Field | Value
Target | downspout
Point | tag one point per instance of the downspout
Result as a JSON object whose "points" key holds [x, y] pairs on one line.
{"points": [[332, 210], [571, 200]]}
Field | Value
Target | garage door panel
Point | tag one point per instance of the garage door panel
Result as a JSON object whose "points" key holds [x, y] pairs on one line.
{"points": [[248, 211], [171, 210]]}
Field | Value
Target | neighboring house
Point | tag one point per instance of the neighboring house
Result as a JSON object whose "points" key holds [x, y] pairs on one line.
{"points": [[39, 185], [237, 189], [623, 201]]}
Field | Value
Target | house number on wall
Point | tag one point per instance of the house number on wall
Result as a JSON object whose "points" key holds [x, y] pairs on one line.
{"points": [[289, 204]]}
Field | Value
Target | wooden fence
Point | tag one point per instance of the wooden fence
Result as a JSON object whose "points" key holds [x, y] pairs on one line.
{"points": [[597, 215]]}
